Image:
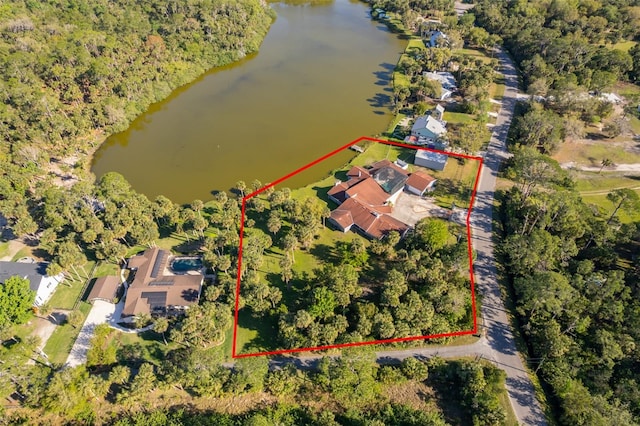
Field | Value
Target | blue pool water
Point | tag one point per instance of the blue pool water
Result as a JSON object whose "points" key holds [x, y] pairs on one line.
{"points": [[184, 264]]}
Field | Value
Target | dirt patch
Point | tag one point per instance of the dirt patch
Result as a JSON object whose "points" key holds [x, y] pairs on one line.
{"points": [[417, 395], [62, 171]]}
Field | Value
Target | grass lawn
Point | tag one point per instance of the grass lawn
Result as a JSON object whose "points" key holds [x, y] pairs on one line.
{"points": [[624, 45], [392, 126], [379, 151], [106, 269], [23, 252], [4, 249], [496, 91], [607, 206], [69, 290], [592, 154], [456, 183], [597, 184], [457, 117], [415, 45], [594, 188], [635, 125], [61, 341], [149, 344], [474, 54]]}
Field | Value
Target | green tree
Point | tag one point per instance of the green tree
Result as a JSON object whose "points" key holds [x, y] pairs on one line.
{"points": [[16, 300], [160, 326], [75, 318]]}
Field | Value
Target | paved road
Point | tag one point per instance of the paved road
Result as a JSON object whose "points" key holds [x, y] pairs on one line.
{"points": [[496, 324]]}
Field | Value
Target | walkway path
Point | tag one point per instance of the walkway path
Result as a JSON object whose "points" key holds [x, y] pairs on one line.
{"points": [[632, 167]]}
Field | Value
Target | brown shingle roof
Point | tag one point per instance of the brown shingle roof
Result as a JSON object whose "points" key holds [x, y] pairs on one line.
{"points": [[152, 289], [105, 288], [374, 223], [357, 171], [420, 180], [367, 191]]}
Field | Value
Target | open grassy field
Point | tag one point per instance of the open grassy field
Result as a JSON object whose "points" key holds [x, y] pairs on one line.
{"points": [[474, 54], [594, 188], [457, 117], [592, 154], [61, 341], [608, 207], [624, 45], [593, 183]]}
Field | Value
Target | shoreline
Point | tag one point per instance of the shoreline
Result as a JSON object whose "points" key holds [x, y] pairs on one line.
{"points": [[82, 168], [99, 137]]}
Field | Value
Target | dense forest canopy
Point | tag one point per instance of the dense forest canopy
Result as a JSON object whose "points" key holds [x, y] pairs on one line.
{"points": [[73, 72], [559, 44]]}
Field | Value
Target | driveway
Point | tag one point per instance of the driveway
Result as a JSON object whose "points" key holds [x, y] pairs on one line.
{"points": [[410, 208], [100, 313]]}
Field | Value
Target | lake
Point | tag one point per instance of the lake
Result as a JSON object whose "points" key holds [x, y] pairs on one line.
{"points": [[321, 79]]}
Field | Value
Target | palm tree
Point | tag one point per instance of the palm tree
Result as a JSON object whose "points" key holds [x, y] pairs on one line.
{"points": [[606, 162]]}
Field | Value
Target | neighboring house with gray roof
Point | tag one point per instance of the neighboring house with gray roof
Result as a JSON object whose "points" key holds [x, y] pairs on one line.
{"points": [[36, 273]]}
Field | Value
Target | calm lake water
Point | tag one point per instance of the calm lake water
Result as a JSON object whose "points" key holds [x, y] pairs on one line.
{"points": [[320, 80]]}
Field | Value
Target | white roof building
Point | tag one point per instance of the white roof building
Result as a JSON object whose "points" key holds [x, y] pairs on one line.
{"points": [[428, 128], [436, 38], [447, 82]]}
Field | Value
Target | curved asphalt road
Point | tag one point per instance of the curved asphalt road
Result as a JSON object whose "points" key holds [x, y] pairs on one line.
{"points": [[497, 343]]}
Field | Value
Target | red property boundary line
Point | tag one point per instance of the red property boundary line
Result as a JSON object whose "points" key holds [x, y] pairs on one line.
{"points": [[373, 342]]}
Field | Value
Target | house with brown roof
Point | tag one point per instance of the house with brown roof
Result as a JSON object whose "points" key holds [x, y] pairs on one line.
{"points": [[372, 222], [366, 199], [156, 290]]}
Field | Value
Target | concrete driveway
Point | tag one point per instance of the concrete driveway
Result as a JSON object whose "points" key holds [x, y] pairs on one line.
{"points": [[410, 208], [101, 312]]}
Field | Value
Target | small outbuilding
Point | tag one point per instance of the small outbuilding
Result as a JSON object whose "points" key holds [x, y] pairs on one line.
{"points": [[419, 183], [430, 159]]}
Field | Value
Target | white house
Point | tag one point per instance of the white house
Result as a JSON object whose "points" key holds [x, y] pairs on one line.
{"points": [[437, 39], [428, 129], [446, 80], [36, 273]]}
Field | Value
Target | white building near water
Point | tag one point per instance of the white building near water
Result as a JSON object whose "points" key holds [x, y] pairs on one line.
{"points": [[437, 39], [447, 83]]}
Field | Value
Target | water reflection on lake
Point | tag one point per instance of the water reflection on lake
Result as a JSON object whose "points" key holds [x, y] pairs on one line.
{"points": [[320, 80]]}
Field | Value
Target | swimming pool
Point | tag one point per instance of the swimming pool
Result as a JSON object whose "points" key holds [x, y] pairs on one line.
{"points": [[184, 264]]}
